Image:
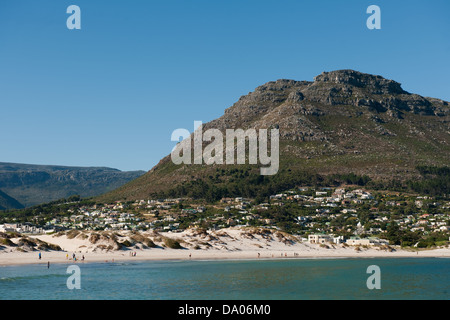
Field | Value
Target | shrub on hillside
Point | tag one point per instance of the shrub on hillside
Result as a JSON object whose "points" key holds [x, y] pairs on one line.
{"points": [[172, 244]]}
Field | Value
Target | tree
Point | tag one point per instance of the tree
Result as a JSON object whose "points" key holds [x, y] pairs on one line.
{"points": [[393, 233]]}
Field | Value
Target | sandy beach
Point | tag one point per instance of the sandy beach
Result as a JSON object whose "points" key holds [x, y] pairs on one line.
{"points": [[231, 243]]}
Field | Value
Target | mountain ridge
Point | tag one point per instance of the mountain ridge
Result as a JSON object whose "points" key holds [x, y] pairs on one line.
{"points": [[32, 184], [343, 122], [9, 203]]}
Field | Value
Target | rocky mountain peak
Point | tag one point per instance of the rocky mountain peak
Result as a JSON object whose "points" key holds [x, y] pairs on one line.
{"points": [[376, 84], [343, 122]]}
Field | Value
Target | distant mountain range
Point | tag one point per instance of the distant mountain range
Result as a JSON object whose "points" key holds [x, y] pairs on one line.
{"points": [[24, 185], [343, 124], [8, 203]]}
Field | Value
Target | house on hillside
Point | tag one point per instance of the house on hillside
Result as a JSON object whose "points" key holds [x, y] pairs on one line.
{"points": [[372, 241], [319, 238], [324, 238]]}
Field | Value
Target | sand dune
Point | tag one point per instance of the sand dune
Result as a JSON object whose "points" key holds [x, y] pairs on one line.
{"points": [[231, 243]]}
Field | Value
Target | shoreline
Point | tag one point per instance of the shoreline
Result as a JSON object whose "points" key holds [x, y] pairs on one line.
{"points": [[174, 255], [225, 244]]}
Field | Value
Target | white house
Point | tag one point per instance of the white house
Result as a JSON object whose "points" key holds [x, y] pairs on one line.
{"points": [[319, 238], [355, 241]]}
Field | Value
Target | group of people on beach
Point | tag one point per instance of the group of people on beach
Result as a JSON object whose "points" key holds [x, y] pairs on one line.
{"points": [[74, 257], [133, 254], [285, 255]]}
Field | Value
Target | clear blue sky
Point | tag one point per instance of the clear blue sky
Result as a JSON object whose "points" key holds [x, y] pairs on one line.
{"points": [[111, 93]]}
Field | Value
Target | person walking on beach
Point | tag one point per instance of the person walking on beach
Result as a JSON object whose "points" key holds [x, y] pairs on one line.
{"points": [[39, 256]]}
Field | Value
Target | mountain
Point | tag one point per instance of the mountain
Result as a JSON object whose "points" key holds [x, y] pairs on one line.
{"points": [[36, 184], [343, 126], [8, 203]]}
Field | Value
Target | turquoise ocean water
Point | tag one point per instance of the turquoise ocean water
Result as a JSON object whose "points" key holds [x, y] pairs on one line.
{"points": [[289, 279]]}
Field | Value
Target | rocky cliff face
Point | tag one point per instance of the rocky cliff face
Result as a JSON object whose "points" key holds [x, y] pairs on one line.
{"points": [[294, 105], [343, 121], [371, 83]]}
